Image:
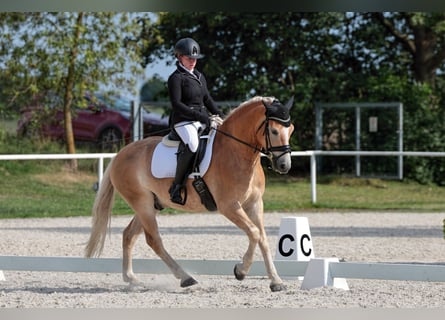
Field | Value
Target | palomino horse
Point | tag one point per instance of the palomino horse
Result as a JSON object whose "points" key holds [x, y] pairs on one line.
{"points": [[235, 178]]}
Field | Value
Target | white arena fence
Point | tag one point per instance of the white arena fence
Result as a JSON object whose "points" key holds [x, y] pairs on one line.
{"points": [[286, 269], [310, 153]]}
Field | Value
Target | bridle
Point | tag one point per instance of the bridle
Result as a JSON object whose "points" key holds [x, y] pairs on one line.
{"points": [[269, 150]]}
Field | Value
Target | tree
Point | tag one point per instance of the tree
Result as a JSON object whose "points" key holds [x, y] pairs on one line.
{"points": [[278, 54], [323, 57], [66, 54], [421, 35], [275, 54], [260, 53], [154, 89]]}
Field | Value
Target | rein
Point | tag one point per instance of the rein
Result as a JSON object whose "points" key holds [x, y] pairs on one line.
{"points": [[255, 148]]}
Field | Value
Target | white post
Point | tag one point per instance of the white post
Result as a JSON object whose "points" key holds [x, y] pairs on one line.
{"points": [[400, 141], [313, 178], [138, 130], [100, 172], [358, 147]]}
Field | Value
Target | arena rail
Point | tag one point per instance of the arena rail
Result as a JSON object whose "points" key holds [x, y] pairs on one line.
{"points": [[310, 153], [286, 269]]}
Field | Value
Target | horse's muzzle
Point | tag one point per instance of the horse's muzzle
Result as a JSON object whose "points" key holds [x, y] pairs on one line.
{"points": [[281, 163]]}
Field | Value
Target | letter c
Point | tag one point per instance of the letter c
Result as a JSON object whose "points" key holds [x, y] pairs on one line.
{"points": [[303, 237], [280, 245]]}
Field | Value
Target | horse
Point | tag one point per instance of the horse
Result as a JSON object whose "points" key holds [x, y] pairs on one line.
{"points": [[235, 178]]}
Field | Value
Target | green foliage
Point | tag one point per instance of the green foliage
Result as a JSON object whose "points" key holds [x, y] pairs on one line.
{"points": [[10, 144], [315, 56], [65, 54], [154, 89], [327, 57]]}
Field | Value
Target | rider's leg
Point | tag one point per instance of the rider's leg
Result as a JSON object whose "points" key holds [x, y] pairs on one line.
{"points": [[188, 132], [185, 158]]}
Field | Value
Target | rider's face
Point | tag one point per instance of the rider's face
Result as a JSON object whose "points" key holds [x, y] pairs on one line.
{"points": [[188, 62]]}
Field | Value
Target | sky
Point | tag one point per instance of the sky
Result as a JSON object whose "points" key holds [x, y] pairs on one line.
{"points": [[160, 68]]}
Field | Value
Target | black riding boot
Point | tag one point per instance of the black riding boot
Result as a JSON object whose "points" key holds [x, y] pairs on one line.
{"points": [[183, 169]]}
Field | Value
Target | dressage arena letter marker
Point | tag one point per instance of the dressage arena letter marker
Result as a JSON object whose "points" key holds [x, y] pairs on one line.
{"points": [[294, 240]]}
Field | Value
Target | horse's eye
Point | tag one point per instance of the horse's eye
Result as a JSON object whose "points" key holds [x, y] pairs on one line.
{"points": [[274, 132]]}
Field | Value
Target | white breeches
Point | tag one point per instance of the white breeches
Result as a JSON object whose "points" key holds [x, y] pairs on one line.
{"points": [[189, 133]]}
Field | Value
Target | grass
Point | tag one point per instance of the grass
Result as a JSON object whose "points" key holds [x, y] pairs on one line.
{"points": [[341, 193], [46, 188], [53, 191], [9, 125]]}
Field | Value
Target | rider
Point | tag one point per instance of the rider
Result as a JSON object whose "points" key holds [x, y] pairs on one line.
{"points": [[191, 104]]}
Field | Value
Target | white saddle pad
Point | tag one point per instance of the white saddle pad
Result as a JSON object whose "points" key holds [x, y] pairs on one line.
{"points": [[163, 164]]}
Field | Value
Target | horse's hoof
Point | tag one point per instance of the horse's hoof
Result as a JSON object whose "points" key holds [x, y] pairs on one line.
{"points": [[238, 275], [188, 282], [277, 287], [131, 279]]}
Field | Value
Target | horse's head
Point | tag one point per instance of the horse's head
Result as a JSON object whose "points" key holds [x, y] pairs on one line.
{"points": [[267, 132], [278, 129]]}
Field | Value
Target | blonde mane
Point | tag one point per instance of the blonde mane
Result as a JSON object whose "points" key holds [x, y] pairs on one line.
{"points": [[252, 101], [258, 98]]}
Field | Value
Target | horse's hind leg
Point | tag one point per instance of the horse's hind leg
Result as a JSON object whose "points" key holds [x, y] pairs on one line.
{"points": [[155, 242], [153, 239], [130, 235], [145, 220]]}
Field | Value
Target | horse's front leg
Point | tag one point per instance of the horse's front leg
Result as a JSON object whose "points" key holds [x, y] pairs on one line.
{"points": [[239, 217], [276, 283], [256, 215], [242, 269]]}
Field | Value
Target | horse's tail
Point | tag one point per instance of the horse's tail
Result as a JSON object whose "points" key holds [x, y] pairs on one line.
{"points": [[101, 215]]}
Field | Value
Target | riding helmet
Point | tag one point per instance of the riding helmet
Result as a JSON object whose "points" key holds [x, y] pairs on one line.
{"points": [[188, 47]]}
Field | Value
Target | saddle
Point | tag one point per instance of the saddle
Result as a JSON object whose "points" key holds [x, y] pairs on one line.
{"points": [[164, 163]]}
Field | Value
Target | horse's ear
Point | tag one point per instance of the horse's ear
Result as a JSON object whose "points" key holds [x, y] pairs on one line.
{"points": [[289, 104]]}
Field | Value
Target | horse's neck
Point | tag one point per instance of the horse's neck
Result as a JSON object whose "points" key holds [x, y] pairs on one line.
{"points": [[242, 126]]}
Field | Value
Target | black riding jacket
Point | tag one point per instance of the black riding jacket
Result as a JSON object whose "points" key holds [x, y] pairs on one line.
{"points": [[190, 97]]}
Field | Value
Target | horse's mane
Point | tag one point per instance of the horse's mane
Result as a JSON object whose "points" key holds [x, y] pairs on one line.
{"points": [[251, 101]]}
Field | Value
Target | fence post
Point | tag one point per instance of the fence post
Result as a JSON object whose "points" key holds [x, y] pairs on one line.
{"points": [[138, 123], [313, 177], [100, 172]]}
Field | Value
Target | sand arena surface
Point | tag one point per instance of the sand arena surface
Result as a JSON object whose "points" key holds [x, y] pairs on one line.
{"points": [[355, 237]]}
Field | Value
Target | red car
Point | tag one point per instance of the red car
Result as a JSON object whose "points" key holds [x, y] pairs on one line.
{"points": [[105, 122]]}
